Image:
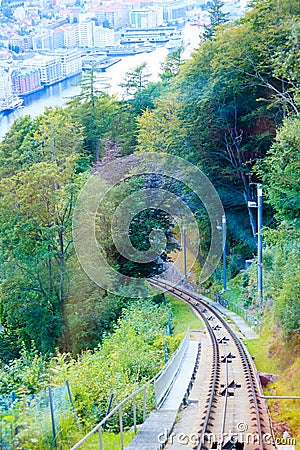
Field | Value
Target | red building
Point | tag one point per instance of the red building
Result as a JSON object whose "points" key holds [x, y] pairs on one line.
{"points": [[25, 80]]}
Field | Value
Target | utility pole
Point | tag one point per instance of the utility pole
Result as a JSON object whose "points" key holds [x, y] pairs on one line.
{"points": [[184, 251], [259, 245], [223, 229], [224, 252]]}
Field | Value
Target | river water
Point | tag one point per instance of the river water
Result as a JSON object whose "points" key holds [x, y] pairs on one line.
{"points": [[58, 94]]}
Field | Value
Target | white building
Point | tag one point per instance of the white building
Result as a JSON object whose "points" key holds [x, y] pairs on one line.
{"points": [[50, 68], [86, 33], [71, 62], [57, 38], [71, 35], [19, 13], [175, 10], [146, 17], [42, 40], [6, 89], [103, 37]]}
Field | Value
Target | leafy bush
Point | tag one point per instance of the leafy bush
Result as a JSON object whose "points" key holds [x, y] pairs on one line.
{"points": [[127, 358]]}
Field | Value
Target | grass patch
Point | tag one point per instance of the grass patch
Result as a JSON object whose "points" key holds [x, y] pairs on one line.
{"points": [[183, 316], [287, 411], [273, 355], [260, 349], [110, 441], [233, 294]]}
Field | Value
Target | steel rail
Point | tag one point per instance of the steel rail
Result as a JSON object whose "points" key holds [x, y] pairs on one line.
{"points": [[214, 381], [195, 301], [215, 373]]}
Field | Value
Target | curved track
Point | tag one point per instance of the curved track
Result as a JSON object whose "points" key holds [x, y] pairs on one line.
{"points": [[233, 415]]}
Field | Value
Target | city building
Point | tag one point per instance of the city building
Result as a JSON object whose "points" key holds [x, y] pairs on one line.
{"points": [[176, 10], [49, 67], [71, 62], [8, 100], [103, 37], [71, 35], [57, 38], [114, 16], [146, 17], [21, 43], [31, 11], [42, 40], [6, 90], [25, 80], [86, 33]]}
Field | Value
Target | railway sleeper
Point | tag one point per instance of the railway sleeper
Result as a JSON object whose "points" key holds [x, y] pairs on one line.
{"points": [[230, 444]]}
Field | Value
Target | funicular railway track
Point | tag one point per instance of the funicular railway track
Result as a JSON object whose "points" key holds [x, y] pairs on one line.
{"points": [[233, 413]]}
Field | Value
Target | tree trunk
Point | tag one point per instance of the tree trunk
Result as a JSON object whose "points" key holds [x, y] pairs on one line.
{"points": [[61, 266], [97, 151]]}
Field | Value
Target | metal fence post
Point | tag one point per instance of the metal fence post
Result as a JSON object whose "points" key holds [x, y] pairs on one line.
{"points": [[166, 352], [121, 427], [52, 417], [144, 403], [134, 413], [71, 402], [109, 408], [100, 439]]}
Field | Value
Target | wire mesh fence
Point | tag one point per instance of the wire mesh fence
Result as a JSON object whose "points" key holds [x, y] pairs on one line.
{"points": [[247, 314], [30, 420]]}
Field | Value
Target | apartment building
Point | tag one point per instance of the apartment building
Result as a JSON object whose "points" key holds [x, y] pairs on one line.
{"points": [[6, 90], [25, 80], [57, 38], [24, 43], [146, 17], [50, 68], [86, 33], [103, 37], [116, 15], [42, 40], [71, 62], [71, 35]]}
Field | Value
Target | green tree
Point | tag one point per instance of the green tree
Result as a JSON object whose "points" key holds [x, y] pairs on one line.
{"points": [[140, 93], [136, 80], [96, 112], [171, 65], [13, 157], [161, 130], [280, 173], [217, 17], [51, 136], [35, 221]]}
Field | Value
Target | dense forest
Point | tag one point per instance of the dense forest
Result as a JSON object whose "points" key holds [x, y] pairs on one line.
{"points": [[233, 110]]}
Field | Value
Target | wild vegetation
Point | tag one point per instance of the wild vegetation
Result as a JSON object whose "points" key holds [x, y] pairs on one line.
{"points": [[233, 111], [128, 357]]}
